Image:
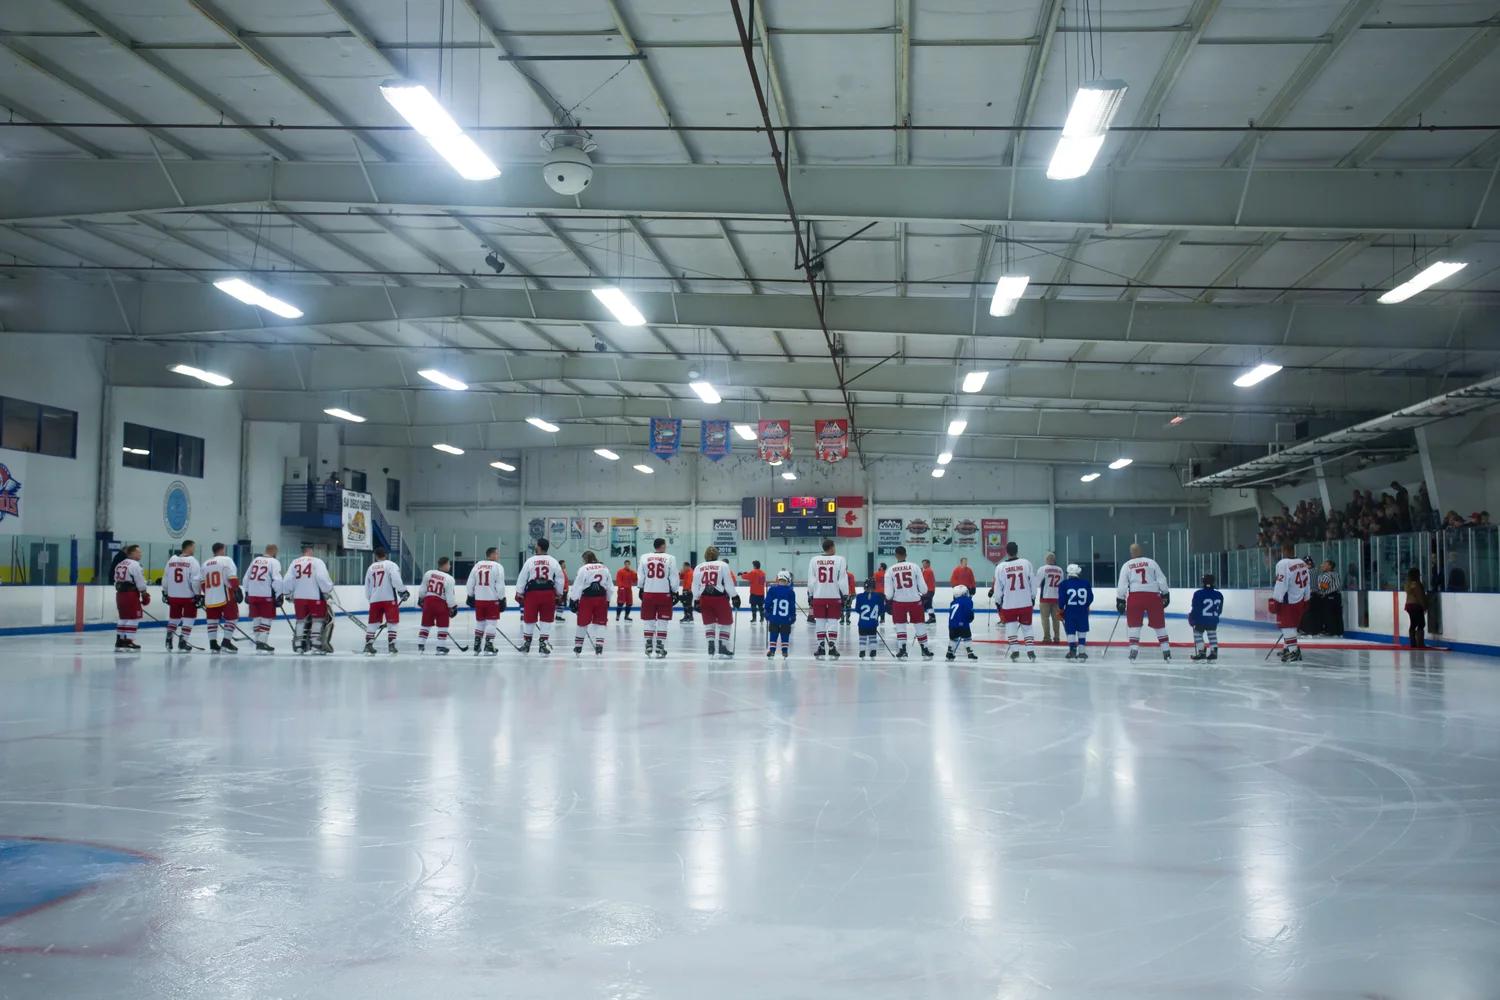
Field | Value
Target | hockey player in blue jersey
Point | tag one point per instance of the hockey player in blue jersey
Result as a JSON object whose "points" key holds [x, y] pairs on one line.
{"points": [[960, 620], [1203, 616], [869, 609], [1075, 596], [780, 612]]}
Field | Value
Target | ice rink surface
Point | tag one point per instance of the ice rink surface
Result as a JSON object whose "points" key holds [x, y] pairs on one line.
{"points": [[608, 827]]}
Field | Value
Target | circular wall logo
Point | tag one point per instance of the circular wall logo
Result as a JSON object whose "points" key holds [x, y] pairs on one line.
{"points": [[176, 508]]}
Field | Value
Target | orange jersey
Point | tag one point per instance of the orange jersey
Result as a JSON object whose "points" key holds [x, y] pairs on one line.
{"points": [[963, 576], [930, 578], [687, 577], [625, 579], [851, 585], [757, 580], [879, 583]]}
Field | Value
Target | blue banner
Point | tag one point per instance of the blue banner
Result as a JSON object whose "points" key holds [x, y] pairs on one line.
{"points": [[714, 443], [666, 437]]}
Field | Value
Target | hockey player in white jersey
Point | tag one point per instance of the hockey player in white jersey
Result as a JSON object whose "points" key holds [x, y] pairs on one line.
{"points": [[221, 599], [538, 588], [485, 593], [439, 604], [658, 584], [308, 584], [715, 589], [385, 592], [263, 594], [589, 597], [1013, 589], [904, 590], [1289, 598], [182, 588], [1143, 593], [827, 586], [131, 596]]}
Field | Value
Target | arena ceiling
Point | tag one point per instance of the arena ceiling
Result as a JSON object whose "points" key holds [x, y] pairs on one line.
{"points": [[156, 146]]}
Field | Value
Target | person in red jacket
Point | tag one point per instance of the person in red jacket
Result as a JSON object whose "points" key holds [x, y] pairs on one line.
{"points": [[931, 579], [756, 578], [686, 576], [624, 583], [962, 576]]}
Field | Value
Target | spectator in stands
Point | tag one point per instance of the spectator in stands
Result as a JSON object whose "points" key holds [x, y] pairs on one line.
{"points": [[1351, 577], [1421, 511], [1458, 580], [1402, 500]]}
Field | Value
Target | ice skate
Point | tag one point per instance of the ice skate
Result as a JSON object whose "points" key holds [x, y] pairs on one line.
{"points": [[421, 648], [213, 645], [577, 650], [170, 637], [873, 652], [598, 649], [822, 650], [1213, 654], [525, 645], [770, 654], [1295, 656], [949, 655], [973, 655], [1015, 656], [1133, 654], [442, 651], [543, 647], [861, 654], [1166, 654], [264, 647], [833, 651], [122, 643], [927, 653], [183, 646], [489, 646], [1072, 653], [391, 649], [228, 646], [1198, 656], [1031, 655], [901, 653], [1083, 654], [369, 649]]}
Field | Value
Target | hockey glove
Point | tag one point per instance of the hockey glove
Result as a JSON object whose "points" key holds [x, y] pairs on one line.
{"points": [[404, 596], [992, 593], [1119, 605], [573, 607], [145, 598], [280, 600], [197, 600], [452, 610], [237, 595], [502, 605], [697, 605], [469, 600], [735, 600], [1166, 599], [1273, 605]]}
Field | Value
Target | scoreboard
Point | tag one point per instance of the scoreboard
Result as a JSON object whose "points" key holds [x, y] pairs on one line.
{"points": [[803, 517]]}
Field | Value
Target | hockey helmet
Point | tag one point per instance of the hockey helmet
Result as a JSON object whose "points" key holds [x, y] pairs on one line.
{"points": [[960, 591], [785, 576], [1074, 569]]}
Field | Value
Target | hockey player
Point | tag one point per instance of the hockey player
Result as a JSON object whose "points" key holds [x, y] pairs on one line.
{"points": [[1289, 599], [182, 591], [869, 609], [904, 589], [960, 619], [1143, 593], [780, 612], [485, 593], [308, 584], [713, 585], [756, 578], [589, 599], [1015, 582], [538, 588], [561, 604], [624, 583], [930, 579], [1075, 596], [1048, 576], [847, 607], [827, 585], [385, 592], [130, 596], [658, 578], [221, 599], [263, 595], [1203, 616], [439, 605]]}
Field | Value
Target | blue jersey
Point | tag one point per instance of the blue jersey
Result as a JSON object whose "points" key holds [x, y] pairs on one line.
{"points": [[869, 608], [781, 604], [1075, 596], [1205, 609], [960, 611]]}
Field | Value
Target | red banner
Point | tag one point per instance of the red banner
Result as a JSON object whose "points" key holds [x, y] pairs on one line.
{"points": [[775, 440], [996, 532], [831, 440]]}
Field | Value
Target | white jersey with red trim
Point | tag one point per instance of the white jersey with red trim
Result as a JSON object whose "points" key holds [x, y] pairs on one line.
{"points": [[486, 581], [440, 585], [713, 576], [827, 577], [1141, 575], [1015, 584], [1049, 576], [904, 583], [1293, 581], [220, 577], [383, 582], [592, 575], [182, 578], [263, 578], [129, 571], [307, 579], [658, 573], [541, 572]]}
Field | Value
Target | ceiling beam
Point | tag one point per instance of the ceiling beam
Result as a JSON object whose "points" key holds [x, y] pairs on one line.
{"points": [[68, 136], [1068, 263], [1172, 66], [1237, 267], [1036, 65], [628, 37], [555, 111], [1158, 259]]}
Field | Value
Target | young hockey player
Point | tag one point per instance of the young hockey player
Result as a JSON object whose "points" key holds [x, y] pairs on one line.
{"points": [[1015, 582], [263, 594], [1143, 594], [540, 585], [960, 618], [130, 596], [658, 580], [221, 599], [869, 609], [1289, 599], [439, 605], [904, 588], [589, 599], [308, 584], [385, 593], [827, 586], [1075, 596], [781, 611], [1203, 616], [485, 593], [182, 590]]}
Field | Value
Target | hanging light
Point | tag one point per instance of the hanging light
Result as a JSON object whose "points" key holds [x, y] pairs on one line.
{"points": [[253, 296], [606, 453], [449, 449], [957, 427], [1119, 463], [1422, 280], [1008, 292], [503, 466], [945, 458], [706, 392], [645, 468], [1094, 107], [334, 411], [543, 425], [1088, 477], [432, 122], [974, 381], [789, 474], [201, 375], [618, 303], [939, 473], [745, 431], [1257, 374], [446, 381]]}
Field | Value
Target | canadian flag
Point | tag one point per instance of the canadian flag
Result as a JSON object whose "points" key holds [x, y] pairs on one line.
{"points": [[851, 516]]}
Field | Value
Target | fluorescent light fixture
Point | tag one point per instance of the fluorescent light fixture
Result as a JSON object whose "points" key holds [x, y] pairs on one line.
{"points": [[1422, 280], [1094, 107], [745, 431], [706, 392], [939, 473], [616, 302], [137, 451], [789, 474], [945, 458], [201, 375], [1257, 374], [606, 453], [446, 381], [1088, 478], [1119, 463], [334, 411], [542, 425], [644, 468], [1178, 419], [449, 449], [503, 466], [957, 427], [432, 122], [974, 381], [1008, 292], [250, 295]]}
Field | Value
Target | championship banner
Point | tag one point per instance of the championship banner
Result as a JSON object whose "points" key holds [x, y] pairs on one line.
{"points": [[831, 440], [942, 534], [358, 529], [917, 532], [557, 532], [851, 516], [775, 440], [725, 535], [622, 537], [666, 437], [966, 534], [536, 528], [598, 533], [12, 505], [575, 529], [713, 439], [996, 531], [887, 535], [671, 529]]}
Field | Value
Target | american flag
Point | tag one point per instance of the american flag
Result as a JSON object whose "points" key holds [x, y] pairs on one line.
{"points": [[755, 518]]}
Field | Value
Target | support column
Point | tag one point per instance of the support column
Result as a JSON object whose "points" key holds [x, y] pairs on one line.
{"points": [[1323, 486], [1427, 475]]}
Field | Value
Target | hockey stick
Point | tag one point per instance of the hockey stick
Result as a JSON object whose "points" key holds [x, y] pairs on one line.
{"points": [[164, 625], [881, 636], [1111, 639], [1279, 638]]}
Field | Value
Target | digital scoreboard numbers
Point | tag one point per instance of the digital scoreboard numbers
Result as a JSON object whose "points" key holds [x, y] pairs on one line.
{"points": [[803, 517]]}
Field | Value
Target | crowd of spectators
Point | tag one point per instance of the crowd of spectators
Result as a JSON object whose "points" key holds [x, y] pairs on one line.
{"points": [[1365, 515]]}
